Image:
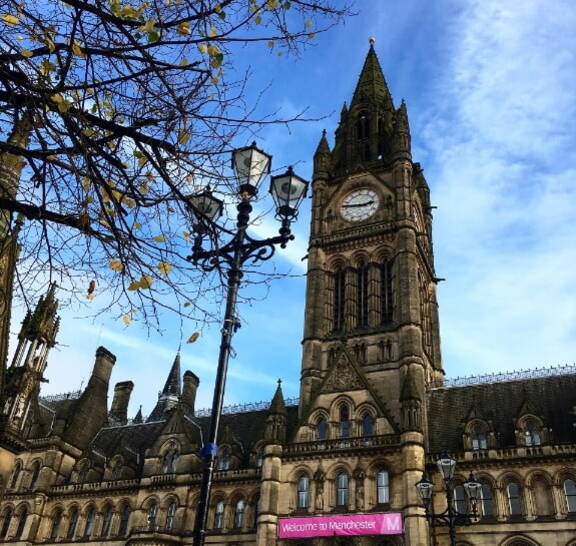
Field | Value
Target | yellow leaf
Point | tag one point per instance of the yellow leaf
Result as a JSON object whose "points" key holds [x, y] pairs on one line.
{"points": [[183, 136], [184, 61], [213, 32], [77, 50], [186, 236], [26, 53], [164, 268], [187, 304], [137, 225], [148, 26], [144, 189], [134, 285], [158, 238], [50, 44], [116, 265], [183, 28], [203, 48], [271, 4], [193, 337], [10, 20], [57, 98], [257, 19], [270, 44], [146, 281], [127, 319], [51, 157], [89, 199], [307, 24]]}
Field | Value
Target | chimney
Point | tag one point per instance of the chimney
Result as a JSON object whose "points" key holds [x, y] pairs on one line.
{"points": [[119, 409], [90, 412], [188, 397]]}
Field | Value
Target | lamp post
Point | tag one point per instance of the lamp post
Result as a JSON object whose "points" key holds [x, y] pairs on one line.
{"points": [[250, 166], [450, 517]]}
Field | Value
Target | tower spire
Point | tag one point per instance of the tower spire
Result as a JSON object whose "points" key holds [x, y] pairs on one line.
{"points": [[371, 84], [169, 396]]}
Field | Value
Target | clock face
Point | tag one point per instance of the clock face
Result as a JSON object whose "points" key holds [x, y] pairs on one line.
{"points": [[359, 205]]}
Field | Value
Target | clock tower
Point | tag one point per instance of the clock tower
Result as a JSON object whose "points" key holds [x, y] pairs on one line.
{"points": [[371, 287]]}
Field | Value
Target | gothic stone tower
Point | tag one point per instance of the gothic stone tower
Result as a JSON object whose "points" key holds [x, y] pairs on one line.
{"points": [[371, 339]]}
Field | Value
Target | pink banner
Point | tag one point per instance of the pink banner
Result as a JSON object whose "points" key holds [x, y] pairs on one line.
{"points": [[349, 524]]}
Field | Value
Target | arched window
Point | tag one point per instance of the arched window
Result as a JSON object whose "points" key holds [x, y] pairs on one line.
{"points": [[15, 475], [124, 518], [542, 497], [35, 474], [321, 429], [344, 421], [106, 520], [239, 514], [302, 500], [219, 515], [362, 296], [382, 487], [89, 527], [21, 522], [486, 502], [169, 462], [342, 489], [224, 459], [479, 440], [459, 499], [170, 516], [339, 300], [532, 435], [367, 424], [514, 500], [570, 494], [6, 518], [151, 516], [386, 293], [56, 521], [116, 473], [73, 523]]}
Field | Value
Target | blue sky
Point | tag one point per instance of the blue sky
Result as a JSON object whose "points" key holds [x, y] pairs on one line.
{"points": [[490, 93]]}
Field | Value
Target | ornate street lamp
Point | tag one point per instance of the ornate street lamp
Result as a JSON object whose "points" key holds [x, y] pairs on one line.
{"points": [[449, 517], [250, 166]]}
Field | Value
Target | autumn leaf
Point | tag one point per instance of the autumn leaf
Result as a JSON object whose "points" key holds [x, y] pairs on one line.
{"points": [[10, 20], [183, 28], [158, 238], [165, 268], [307, 24], [148, 26], [186, 236], [127, 319], [187, 304], [137, 225], [77, 50], [146, 281], [134, 285], [183, 136], [193, 337], [26, 53], [116, 265]]}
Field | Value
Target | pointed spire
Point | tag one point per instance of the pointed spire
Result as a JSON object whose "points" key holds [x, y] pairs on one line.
{"points": [[173, 383], [277, 406], [138, 417], [371, 83], [323, 146]]}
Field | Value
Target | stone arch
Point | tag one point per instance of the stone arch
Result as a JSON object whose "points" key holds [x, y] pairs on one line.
{"points": [[168, 499], [530, 430], [359, 258], [519, 540], [145, 504], [334, 412], [540, 487], [382, 254], [336, 263]]}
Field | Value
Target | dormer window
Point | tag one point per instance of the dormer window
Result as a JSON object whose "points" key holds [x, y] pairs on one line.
{"points": [[479, 437], [532, 436], [224, 459], [321, 429]]}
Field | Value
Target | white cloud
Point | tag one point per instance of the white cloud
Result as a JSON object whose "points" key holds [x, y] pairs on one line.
{"points": [[502, 138]]}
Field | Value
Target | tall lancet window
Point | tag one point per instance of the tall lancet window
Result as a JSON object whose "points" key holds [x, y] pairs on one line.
{"points": [[339, 299], [362, 295], [386, 294], [363, 126]]}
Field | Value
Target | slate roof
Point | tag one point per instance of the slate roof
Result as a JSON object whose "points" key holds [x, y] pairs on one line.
{"points": [[550, 398]]}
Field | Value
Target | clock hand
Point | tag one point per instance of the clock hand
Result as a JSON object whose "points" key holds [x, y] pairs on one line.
{"points": [[358, 205]]}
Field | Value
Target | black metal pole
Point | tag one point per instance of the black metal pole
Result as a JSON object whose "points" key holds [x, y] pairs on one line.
{"points": [[451, 515], [228, 328]]}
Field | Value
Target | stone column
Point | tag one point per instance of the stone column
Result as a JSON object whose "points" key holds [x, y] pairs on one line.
{"points": [[269, 497]]}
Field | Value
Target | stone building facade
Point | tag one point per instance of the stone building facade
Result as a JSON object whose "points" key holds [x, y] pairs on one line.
{"points": [[374, 410]]}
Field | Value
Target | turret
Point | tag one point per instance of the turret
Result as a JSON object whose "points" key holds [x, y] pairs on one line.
{"points": [[169, 396], [411, 399], [276, 421], [322, 158], [401, 143]]}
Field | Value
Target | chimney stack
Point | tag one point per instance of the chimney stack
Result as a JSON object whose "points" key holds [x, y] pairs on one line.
{"points": [[119, 409], [188, 397]]}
